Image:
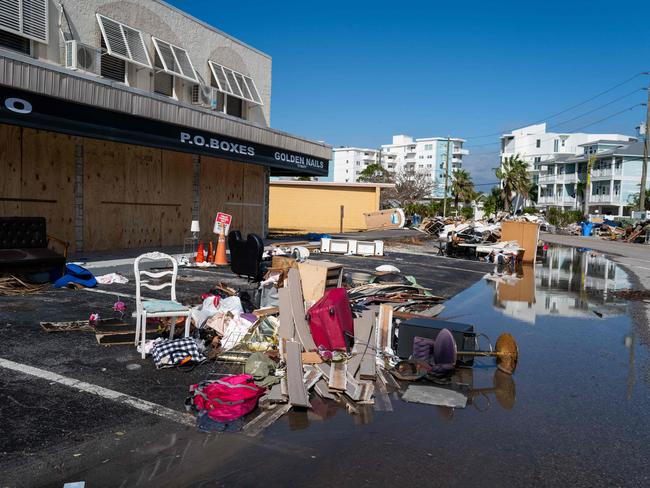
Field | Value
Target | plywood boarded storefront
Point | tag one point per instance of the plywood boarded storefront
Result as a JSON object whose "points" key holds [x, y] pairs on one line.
{"points": [[128, 196]]}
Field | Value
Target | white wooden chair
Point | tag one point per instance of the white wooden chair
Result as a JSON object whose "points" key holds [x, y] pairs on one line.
{"points": [[154, 307]]}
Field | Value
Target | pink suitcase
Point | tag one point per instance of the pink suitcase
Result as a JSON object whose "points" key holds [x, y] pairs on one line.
{"points": [[330, 320]]}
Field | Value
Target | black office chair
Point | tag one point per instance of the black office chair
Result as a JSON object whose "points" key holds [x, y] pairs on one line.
{"points": [[246, 255]]}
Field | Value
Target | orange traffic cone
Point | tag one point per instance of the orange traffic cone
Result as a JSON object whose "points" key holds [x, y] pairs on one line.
{"points": [[220, 256], [210, 253], [200, 254]]}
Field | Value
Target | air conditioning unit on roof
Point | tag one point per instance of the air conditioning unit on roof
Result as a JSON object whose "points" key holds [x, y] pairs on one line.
{"points": [[204, 95], [82, 57]]}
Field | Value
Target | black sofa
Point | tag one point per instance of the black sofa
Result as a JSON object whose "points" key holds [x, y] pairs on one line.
{"points": [[24, 246]]}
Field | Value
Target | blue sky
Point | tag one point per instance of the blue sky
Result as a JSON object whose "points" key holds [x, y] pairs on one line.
{"points": [[357, 72]]}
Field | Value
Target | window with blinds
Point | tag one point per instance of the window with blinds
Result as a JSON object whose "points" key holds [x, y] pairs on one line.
{"points": [[174, 60], [234, 83], [26, 18], [124, 42]]}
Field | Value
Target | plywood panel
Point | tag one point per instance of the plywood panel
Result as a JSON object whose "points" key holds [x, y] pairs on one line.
{"points": [[10, 169], [48, 169], [176, 187], [221, 185], [104, 180], [253, 200]]}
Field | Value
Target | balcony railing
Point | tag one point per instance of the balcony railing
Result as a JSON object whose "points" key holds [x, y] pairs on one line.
{"points": [[605, 199]]}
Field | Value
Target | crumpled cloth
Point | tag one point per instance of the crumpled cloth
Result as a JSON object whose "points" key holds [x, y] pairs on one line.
{"points": [[110, 278]]}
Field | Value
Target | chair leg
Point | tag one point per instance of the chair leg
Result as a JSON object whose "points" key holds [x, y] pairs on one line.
{"points": [[188, 321], [144, 332], [137, 328]]}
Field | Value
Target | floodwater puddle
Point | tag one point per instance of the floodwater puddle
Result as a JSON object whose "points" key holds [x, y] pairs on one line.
{"points": [[575, 412]]}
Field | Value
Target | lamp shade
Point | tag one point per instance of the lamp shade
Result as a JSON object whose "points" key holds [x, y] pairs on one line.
{"points": [[195, 226]]}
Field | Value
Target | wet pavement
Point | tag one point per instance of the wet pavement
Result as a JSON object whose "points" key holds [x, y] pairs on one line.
{"points": [[574, 413]]}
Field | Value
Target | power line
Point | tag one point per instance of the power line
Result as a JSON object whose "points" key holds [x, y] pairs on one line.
{"points": [[569, 108], [597, 108], [572, 119]]}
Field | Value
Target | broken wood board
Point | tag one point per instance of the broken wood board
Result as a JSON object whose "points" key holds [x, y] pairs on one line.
{"points": [[365, 332], [298, 310], [265, 419], [432, 395], [424, 314], [276, 395], [385, 324], [73, 326], [382, 400], [311, 377], [311, 357], [264, 312], [286, 328], [321, 387], [338, 377], [298, 395], [353, 388]]}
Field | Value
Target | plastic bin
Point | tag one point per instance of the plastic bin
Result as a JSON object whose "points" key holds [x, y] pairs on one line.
{"points": [[587, 228]]}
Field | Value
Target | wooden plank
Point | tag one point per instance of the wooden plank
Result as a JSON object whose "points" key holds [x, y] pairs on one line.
{"points": [[298, 395], [48, 173], [353, 388], [311, 357], [364, 331], [275, 395], [11, 170], [385, 324], [338, 378], [177, 186], [382, 400], [264, 420], [298, 310], [253, 200], [312, 376], [74, 325], [322, 388], [286, 330]]}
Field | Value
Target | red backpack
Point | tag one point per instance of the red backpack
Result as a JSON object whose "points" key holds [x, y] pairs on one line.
{"points": [[227, 399]]}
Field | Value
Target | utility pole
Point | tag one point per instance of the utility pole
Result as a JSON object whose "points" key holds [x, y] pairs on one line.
{"points": [[644, 170], [444, 202]]}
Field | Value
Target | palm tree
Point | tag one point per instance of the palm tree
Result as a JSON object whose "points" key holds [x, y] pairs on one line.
{"points": [[462, 187], [514, 177]]}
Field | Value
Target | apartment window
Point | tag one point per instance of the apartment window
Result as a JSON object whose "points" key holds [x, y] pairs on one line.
{"points": [[563, 142], [428, 147], [112, 67], [556, 145], [235, 106], [538, 159], [421, 157], [538, 143], [429, 156], [163, 82], [358, 163], [15, 42]]}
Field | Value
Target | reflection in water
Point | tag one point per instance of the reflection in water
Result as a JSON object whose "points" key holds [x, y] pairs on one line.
{"points": [[565, 281]]}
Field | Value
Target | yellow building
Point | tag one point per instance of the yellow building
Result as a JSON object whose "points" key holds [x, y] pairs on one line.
{"points": [[319, 206]]}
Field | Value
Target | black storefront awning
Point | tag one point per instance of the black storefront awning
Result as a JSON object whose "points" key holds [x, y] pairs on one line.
{"points": [[24, 108]]}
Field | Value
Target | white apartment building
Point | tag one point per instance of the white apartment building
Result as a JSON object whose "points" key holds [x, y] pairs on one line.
{"points": [[349, 162], [535, 146], [426, 156]]}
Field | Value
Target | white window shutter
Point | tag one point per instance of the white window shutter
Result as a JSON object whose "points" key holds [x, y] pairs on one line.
{"points": [[27, 18], [175, 60], [234, 83], [124, 42], [35, 19], [10, 15]]}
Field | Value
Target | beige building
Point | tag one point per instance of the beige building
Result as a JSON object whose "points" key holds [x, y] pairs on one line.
{"points": [[317, 206], [123, 121]]}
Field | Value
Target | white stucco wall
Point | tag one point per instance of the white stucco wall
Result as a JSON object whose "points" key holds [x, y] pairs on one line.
{"points": [[156, 18]]}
